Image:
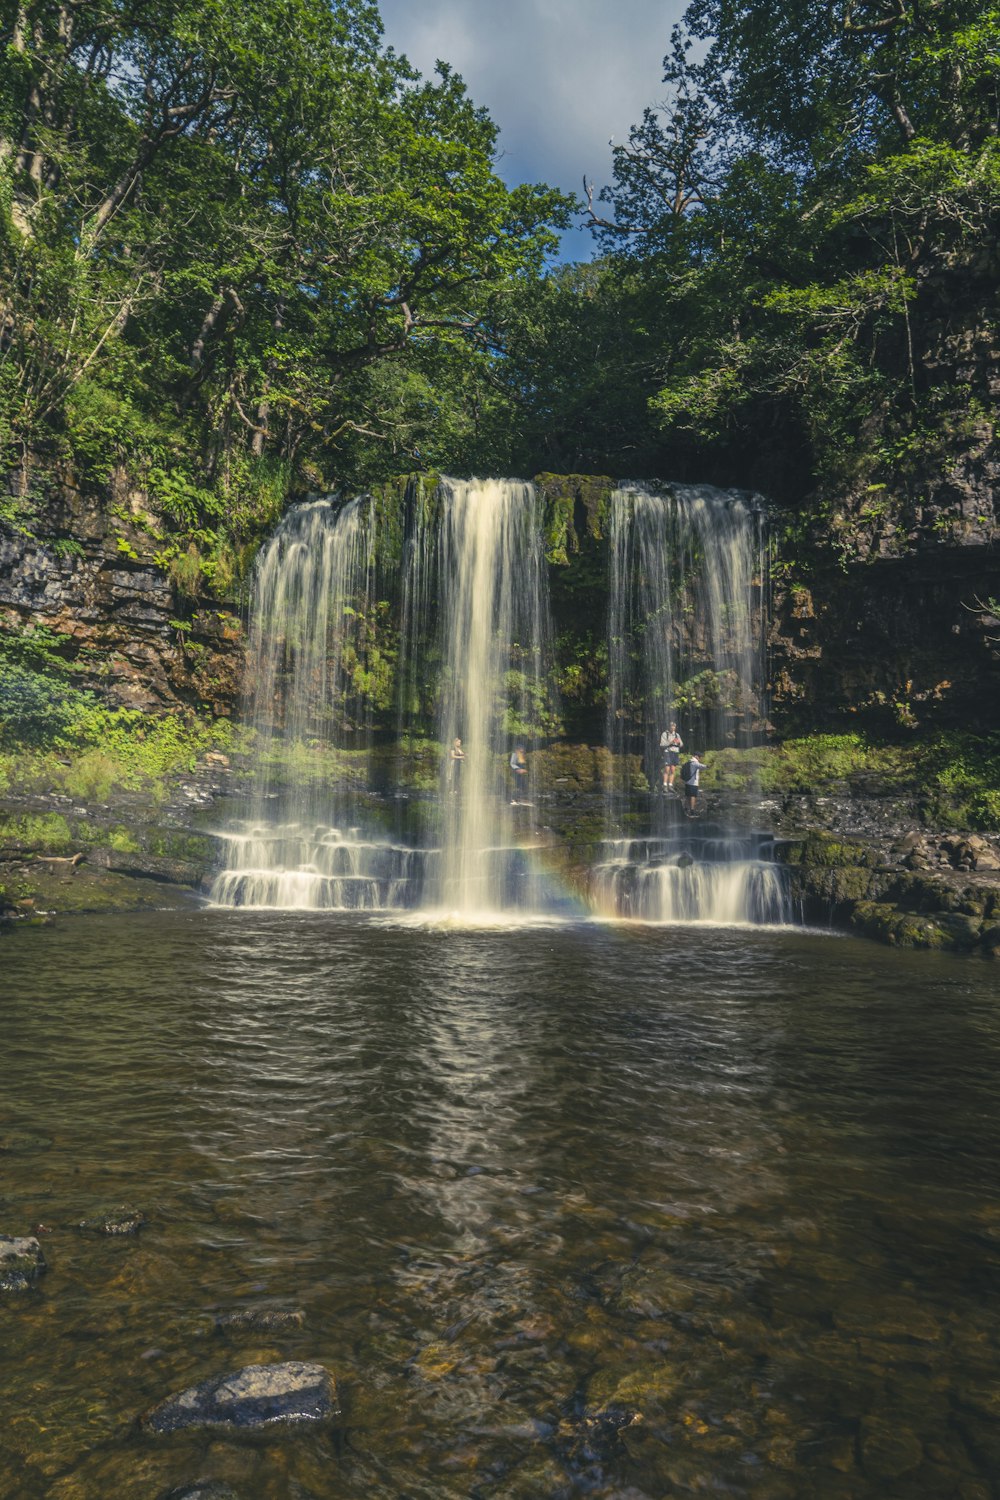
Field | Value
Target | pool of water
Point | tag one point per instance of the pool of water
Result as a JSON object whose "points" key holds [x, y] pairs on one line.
{"points": [[592, 1210]]}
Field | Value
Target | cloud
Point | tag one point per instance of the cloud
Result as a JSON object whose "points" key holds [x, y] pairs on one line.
{"points": [[560, 77]]}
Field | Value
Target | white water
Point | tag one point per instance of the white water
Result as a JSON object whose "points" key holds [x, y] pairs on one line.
{"points": [[690, 880], [473, 651], [685, 619], [493, 627]]}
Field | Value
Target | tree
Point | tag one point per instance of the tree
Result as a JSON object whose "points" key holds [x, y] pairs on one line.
{"points": [[220, 221]]}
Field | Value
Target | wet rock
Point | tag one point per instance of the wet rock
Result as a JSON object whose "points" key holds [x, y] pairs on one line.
{"points": [[21, 1262], [964, 930], [888, 1450], [256, 1396], [142, 866], [991, 940], [205, 1489], [114, 1221], [259, 1319]]}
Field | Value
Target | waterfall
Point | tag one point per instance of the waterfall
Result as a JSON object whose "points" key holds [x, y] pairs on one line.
{"points": [[493, 633], [685, 623], [312, 658], [434, 610], [685, 646], [682, 878], [470, 596]]}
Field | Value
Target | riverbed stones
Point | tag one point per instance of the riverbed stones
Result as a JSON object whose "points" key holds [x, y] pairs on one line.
{"points": [[21, 1262], [120, 1220], [254, 1397]]}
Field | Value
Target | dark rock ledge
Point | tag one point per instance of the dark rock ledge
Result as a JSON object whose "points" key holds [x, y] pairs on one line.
{"points": [[916, 891]]}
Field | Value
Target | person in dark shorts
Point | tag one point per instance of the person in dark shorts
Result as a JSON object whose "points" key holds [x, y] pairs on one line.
{"points": [[671, 745], [689, 776]]}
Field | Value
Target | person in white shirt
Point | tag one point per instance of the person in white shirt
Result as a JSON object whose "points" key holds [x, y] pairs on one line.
{"points": [[671, 745]]}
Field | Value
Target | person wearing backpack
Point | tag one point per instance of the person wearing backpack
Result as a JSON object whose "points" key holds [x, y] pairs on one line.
{"points": [[690, 772]]}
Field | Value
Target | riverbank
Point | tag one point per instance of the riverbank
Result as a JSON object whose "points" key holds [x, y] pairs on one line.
{"points": [[869, 842]]}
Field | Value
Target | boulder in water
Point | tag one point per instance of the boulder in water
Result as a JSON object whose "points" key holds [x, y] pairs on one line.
{"points": [[115, 1221], [21, 1262], [256, 1396]]}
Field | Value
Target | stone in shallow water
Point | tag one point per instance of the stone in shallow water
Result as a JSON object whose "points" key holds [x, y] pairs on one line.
{"points": [[259, 1319], [255, 1396], [207, 1489], [21, 1262], [122, 1219]]}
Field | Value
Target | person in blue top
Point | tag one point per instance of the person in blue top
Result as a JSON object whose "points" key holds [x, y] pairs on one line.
{"points": [[689, 775]]}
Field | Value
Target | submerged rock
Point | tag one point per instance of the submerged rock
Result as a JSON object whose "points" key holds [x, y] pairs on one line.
{"points": [[256, 1396], [205, 1489], [120, 1220], [21, 1262], [259, 1319]]}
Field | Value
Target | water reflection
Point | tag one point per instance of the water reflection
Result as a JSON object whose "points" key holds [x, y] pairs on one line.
{"points": [[570, 1211]]}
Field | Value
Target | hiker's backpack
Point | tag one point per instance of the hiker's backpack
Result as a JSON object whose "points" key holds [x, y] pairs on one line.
{"points": [[687, 771]]}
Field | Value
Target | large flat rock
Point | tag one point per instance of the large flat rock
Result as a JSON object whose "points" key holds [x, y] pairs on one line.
{"points": [[256, 1396]]}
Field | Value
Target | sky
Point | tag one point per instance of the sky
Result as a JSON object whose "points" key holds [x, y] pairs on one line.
{"points": [[561, 78]]}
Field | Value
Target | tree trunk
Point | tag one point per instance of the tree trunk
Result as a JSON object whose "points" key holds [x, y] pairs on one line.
{"points": [[262, 433]]}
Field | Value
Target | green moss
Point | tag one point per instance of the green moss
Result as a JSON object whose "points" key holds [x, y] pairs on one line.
{"points": [[900, 929], [562, 494], [37, 833]]}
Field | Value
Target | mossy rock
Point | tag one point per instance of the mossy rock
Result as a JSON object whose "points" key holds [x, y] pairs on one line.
{"points": [[37, 833], [574, 506], [826, 851], [899, 928], [966, 931]]}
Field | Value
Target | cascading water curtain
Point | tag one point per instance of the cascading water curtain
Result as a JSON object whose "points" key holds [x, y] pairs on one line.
{"points": [[685, 627], [313, 588], [313, 595], [494, 629]]}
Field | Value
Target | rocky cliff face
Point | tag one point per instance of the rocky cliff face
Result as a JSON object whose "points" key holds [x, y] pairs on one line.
{"points": [[81, 565], [887, 600], [889, 643], [885, 612]]}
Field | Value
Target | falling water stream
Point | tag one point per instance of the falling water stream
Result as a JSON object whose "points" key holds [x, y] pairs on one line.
{"points": [[473, 656]]}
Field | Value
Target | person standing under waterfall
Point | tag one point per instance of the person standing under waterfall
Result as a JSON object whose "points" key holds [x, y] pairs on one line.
{"points": [[519, 773], [671, 746], [456, 758], [690, 774]]}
